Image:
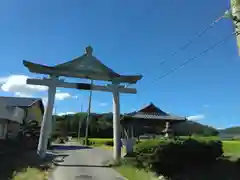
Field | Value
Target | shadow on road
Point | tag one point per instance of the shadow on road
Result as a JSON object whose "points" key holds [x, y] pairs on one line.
{"points": [[69, 147], [81, 165]]}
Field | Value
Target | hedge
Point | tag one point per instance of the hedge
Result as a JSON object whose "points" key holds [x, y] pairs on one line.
{"points": [[168, 157]]}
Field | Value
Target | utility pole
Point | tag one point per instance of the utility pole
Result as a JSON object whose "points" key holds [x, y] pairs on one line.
{"points": [[235, 16], [79, 125], [88, 115]]}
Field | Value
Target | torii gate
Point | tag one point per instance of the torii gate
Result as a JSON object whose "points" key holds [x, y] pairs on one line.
{"points": [[89, 67]]}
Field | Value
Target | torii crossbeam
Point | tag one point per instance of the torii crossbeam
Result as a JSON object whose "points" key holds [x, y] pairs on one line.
{"points": [[89, 67]]}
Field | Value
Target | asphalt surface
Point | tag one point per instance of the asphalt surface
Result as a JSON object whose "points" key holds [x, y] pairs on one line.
{"points": [[85, 164]]}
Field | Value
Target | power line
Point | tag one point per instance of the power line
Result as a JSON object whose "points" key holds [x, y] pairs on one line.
{"points": [[195, 57], [190, 42], [197, 35]]}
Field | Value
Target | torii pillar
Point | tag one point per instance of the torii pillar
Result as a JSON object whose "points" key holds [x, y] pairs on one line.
{"points": [[46, 126], [116, 123]]}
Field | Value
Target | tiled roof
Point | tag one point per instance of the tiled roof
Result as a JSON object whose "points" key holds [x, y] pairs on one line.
{"points": [[140, 115], [153, 112], [152, 109]]}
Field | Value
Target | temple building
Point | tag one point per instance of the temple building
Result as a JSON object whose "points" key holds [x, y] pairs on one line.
{"points": [[149, 117]]}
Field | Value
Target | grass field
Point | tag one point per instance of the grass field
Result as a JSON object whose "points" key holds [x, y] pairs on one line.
{"points": [[232, 149]]}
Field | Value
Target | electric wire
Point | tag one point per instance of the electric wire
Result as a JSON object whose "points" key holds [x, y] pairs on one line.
{"points": [[196, 56], [191, 41]]}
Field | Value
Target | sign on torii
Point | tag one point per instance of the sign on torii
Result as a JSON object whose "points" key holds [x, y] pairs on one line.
{"points": [[89, 67]]}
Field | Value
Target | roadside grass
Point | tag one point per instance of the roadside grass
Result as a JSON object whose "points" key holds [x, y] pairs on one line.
{"points": [[95, 141], [100, 139], [27, 166], [30, 174], [131, 173]]}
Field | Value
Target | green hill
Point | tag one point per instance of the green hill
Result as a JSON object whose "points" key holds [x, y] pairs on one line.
{"points": [[231, 130], [191, 127]]}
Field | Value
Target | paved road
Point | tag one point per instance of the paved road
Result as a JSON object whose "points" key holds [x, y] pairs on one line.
{"points": [[86, 164]]}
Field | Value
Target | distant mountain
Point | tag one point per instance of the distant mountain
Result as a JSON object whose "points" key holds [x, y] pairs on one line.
{"points": [[191, 127], [231, 130]]}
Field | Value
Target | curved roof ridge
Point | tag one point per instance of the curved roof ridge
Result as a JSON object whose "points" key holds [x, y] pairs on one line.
{"points": [[151, 108]]}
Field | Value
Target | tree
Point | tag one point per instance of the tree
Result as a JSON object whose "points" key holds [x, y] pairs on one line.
{"points": [[101, 126]]}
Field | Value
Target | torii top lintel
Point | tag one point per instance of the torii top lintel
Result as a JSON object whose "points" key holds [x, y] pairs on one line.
{"points": [[86, 66]]}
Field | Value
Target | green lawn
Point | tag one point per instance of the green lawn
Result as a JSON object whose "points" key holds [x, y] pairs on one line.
{"points": [[30, 174]]}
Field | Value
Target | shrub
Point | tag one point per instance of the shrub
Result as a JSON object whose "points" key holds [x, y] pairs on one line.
{"points": [[144, 152], [169, 156], [148, 146]]}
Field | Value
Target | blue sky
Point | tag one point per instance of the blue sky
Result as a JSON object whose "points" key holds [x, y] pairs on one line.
{"points": [[131, 37]]}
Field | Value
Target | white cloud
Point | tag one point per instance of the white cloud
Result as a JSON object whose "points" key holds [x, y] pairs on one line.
{"points": [[3, 80], [58, 97], [103, 104], [196, 117], [62, 96], [17, 84], [66, 113]]}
